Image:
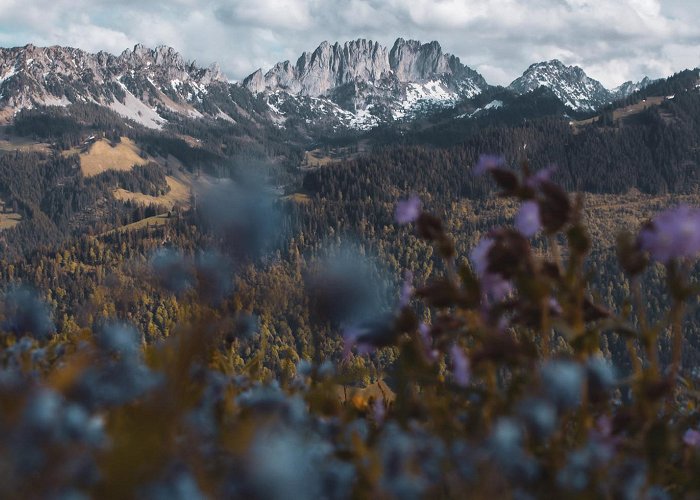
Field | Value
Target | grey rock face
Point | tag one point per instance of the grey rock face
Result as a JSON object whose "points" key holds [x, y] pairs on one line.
{"points": [[412, 61], [328, 67]]}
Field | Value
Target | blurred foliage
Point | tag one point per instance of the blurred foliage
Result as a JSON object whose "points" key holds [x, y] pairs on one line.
{"points": [[183, 362]]}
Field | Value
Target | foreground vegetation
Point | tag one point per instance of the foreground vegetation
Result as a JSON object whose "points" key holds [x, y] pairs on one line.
{"points": [[499, 377]]}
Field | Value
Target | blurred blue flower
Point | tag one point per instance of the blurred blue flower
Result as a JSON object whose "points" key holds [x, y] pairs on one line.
{"points": [[673, 234], [406, 289], [26, 313], [656, 492], [460, 366], [120, 338], [288, 463], [631, 479], [172, 270], [539, 416], [214, 274], [379, 411], [493, 285], [401, 477], [601, 374], [304, 368], [271, 399], [562, 382], [369, 335], [506, 436], [486, 163], [505, 445], [42, 410], [479, 256], [574, 474], [408, 211], [527, 220], [346, 287], [326, 369], [115, 382], [246, 326], [243, 213], [18, 349], [424, 334], [178, 484], [540, 177], [71, 494], [691, 437], [78, 424]]}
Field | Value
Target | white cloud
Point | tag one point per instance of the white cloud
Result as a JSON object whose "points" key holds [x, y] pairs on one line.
{"points": [[613, 40]]}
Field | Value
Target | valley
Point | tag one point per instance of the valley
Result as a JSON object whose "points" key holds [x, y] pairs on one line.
{"points": [[371, 247]]}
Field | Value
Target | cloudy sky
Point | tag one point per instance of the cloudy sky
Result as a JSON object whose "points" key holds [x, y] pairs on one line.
{"points": [[613, 40]]}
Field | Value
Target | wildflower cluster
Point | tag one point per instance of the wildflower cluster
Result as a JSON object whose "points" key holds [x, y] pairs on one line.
{"points": [[498, 385]]}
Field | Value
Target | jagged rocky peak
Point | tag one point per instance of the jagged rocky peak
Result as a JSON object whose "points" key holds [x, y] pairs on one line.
{"points": [[132, 83], [141, 56], [331, 66], [255, 81], [327, 67], [630, 87], [40, 62], [413, 61], [56, 59], [569, 83], [212, 74]]}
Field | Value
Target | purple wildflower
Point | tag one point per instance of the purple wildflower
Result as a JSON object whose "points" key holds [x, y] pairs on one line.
{"points": [[692, 438], [604, 426], [424, 333], [351, 338], [488, 162], [540, 177], [379, 411], [479, 256], [493, 284], [528, 221], [673, 234], [408, 210], [369, 334], [603, 438], [406, 289], [460, 366], [555, 307]]}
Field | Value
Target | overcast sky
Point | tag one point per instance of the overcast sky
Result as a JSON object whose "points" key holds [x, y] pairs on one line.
{"points": [[613, 40]]}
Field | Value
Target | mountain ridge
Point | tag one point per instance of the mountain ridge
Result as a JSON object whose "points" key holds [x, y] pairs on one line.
{"points": [[133, 83], [572, 85], [358, 84]]}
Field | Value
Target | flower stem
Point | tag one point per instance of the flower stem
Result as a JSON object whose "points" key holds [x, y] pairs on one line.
{"points": [[676, 339], [649, 339]]}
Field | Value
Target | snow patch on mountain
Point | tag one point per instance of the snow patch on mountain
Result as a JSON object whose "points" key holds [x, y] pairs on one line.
{"points": [[12, 72], [136, 110], [495, 104]]}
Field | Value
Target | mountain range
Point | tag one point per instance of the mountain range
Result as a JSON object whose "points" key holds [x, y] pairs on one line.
{"points": [[356, 85]]}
